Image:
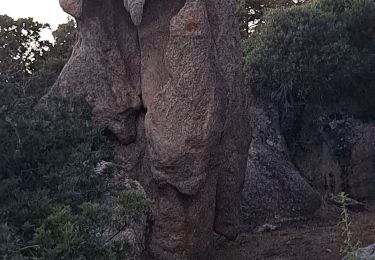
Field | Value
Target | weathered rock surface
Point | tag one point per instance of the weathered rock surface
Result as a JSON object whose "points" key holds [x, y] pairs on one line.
{"points": [[72, 7], [361, 181], [274, 190], [105, 66], [135, 9], [323, 151], [337, 153], [165, 81]]}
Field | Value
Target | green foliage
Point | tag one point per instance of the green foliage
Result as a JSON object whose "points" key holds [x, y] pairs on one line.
{"points": [[20, 44], [317, 53], [53, 197], [349, 247], [58, 233], [134, 204], [65, 37], [28, 65], [47, 179]]}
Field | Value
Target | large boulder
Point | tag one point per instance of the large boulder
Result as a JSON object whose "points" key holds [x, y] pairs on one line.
{"points": [[274, 190], [165, 82], [292, 164], [337, 153]]}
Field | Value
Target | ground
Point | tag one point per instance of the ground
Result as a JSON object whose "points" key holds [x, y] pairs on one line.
{"points": [[318, 239]]}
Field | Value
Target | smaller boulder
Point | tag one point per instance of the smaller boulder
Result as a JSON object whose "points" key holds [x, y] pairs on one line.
{"points": [[367, 253], [266, 228]]}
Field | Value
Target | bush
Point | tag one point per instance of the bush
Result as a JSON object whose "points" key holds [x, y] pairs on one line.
{"points": [[47, 172], [318, 53], [53, 193], [54, 189]]}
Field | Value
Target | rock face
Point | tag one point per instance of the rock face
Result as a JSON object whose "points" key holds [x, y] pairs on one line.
{"points": [[72, 7], [274, 190], [135, 9], [293, 165], [165, 82], [337, 153]]}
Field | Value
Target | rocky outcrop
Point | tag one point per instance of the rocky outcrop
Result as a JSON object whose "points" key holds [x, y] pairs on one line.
{"points": [[165, 82], [361, 182], [337, 153], [293, 164], [274, 190]]}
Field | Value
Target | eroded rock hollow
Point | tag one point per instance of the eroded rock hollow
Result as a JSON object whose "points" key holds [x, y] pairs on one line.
{"points": [[164, 78]]}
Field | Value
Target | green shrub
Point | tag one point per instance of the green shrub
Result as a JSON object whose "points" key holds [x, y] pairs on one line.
{"points": [[319, 53], [53, 197], [47, 173], [134, 204]]}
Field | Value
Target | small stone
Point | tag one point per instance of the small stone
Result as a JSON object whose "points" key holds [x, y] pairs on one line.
{"points": [[265, 228]]}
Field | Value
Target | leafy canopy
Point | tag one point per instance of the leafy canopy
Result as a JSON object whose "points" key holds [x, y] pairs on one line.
{"points": [[321, 52]]}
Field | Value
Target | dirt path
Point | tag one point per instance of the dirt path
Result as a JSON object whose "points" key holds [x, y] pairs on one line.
{"points": [[315, 240]]}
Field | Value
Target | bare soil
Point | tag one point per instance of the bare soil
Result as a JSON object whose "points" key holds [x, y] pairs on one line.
{"points": [[318, 239]]}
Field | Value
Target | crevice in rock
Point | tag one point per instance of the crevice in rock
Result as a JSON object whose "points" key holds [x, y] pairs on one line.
{"points": [[142, 108], [110, 135]]}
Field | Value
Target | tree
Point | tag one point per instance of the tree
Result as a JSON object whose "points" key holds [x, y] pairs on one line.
{"points": [[65, 37], [28, 64], [320, 53], [21, 44], [53, 61], [21, 48], [252, 11]]}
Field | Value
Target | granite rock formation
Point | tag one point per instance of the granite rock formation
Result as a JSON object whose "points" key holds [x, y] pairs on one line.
{"points": [[164, 78], [294, 165], [274, 190], [336, 153]]}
